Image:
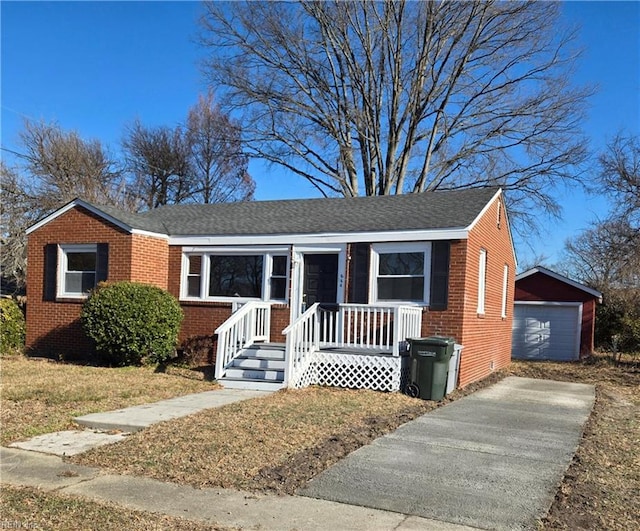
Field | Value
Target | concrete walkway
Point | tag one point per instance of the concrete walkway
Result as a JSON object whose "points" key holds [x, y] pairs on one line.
{"points": [[136, 418], [101, 426], [491, 460]]}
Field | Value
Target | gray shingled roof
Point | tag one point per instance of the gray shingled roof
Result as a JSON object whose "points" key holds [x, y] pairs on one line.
{"points": [[430, 210], [132, 219]]}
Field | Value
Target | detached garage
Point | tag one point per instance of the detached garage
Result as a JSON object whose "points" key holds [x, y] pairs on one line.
{"points": [[553, 317]]}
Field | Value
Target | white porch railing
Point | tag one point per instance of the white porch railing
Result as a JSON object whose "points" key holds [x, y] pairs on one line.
{"points": [[250, 323], [407, 325], [358, 326], [369, 327], [302, 340]]}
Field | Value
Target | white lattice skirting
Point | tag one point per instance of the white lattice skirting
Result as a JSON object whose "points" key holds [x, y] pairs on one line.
{"points": [[354, 371]]}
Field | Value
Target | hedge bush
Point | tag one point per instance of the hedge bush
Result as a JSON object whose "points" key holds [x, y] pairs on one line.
{"points": [[12, 326], [132, 323]]}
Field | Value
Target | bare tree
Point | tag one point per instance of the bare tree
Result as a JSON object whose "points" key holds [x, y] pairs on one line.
{"points": [[390, 97], [217, 163], [620, 177], [158, 158], [18, 212], [53, 167], [607, 255], [63, 166]]}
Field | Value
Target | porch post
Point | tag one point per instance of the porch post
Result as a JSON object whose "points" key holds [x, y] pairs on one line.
{"points": [[395, 351]]}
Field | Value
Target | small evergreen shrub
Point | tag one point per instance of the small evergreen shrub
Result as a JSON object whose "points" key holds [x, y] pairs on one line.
{"points": [[12, 327], [132, 323]]}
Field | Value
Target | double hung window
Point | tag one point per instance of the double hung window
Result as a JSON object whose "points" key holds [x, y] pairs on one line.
{"points": [[482, 280], [77, 269], [401, 273], [505, 287]]}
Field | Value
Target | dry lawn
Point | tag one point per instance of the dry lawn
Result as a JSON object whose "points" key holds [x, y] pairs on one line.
{"points": [[29, 508], [275, 443], [243, 444], [41, 396], [601, 489]]}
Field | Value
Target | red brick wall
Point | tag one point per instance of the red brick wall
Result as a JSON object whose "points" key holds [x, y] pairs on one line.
{"points": [[150, 260], [541, 287], [53, 327], [487, 337]]}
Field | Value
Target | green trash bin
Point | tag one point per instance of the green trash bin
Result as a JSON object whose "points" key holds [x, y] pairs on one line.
{"points": [[429, 363]]}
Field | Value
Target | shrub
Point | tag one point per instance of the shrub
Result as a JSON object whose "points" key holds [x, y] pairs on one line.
{"points": [[12, 326], [618, 321], [132, 323]]}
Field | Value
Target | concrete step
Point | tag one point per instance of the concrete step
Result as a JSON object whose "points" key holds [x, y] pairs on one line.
{"points": [[265, 351], [255, 374], [244, 383], [258, 363]]}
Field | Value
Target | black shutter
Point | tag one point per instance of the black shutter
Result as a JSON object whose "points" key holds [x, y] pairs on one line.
{"points": [[102, 262], [50, 271], [439, 275], [359, 273]]}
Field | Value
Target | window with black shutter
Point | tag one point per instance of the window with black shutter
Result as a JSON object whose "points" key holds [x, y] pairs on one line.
{"points": [[73, 270]]}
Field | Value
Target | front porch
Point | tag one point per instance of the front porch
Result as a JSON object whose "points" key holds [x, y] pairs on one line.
{"points": [[344, 345]]}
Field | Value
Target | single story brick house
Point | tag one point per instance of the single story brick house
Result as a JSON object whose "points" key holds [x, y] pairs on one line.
{"points": [[294, 292], [554, 316]]}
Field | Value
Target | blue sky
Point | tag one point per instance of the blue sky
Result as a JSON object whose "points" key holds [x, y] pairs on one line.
{"points": [[96, 66]]}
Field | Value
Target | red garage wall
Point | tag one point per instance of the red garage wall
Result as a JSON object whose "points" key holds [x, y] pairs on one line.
{"points": [[542, 287]]}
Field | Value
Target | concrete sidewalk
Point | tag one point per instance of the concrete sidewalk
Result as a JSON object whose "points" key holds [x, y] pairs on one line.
{"points": [[214, 506], [491, 460]]}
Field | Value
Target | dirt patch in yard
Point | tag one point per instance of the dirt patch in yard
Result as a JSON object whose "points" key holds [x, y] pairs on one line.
{"points": [[287, 477], [601, 489]]}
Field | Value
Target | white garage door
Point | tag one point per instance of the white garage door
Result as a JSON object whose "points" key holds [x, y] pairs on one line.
{"points": [[546, 331]]}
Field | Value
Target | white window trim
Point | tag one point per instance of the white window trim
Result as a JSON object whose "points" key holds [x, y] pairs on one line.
{"points": [[505, 288], [482, 281], [383, 248], [63, 249], [205, 267]]}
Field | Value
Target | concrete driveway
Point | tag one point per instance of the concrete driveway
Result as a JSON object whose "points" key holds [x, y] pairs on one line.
{"points": [[492, 460]]}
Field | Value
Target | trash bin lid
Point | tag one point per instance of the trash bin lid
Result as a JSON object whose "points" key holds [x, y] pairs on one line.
{"points": [[433, 340]]}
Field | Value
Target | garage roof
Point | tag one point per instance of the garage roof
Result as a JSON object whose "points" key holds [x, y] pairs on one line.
{"points": [[561, 278]]}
